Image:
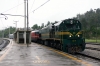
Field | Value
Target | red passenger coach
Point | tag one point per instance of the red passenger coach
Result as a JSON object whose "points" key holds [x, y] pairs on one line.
{"points": [[34, 36]]}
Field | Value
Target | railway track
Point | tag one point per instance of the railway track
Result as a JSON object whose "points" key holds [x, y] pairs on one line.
{"points": [[92, 51], [93, 46], [93, 43], [85, 55], [4, 43], [97, 49]]}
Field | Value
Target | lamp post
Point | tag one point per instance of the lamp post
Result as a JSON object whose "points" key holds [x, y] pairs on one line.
{"points": [[96, 27], [25, 22], [5, 19], [26, 19], [25, 16], [15, 24], [5, 16], [2, 33], [9, 31]]}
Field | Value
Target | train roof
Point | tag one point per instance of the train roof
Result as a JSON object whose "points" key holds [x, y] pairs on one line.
{"points": [[48, 26], [58, 23], [11, 34], [35, 31]]}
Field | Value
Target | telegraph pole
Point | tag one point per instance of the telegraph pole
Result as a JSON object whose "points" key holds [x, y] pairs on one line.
{"points": [[24, 21], [27, 20], [9, 31], [3, 33], [15, 24], [27, 16], [96, 27]]}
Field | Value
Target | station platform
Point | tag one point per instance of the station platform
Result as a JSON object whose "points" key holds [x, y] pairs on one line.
{"points": [[37, 55]]}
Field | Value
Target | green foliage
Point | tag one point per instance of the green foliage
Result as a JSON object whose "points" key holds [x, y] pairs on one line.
{"points": [[42, 25], [48, 23], [5, 33], [91, 41], [36, 27], [90, 23]]}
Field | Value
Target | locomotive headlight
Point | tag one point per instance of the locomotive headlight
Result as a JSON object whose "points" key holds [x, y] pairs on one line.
{"points": [[70, 36], [78, 35]]}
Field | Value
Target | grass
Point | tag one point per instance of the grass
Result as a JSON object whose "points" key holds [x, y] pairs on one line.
{"points": [[92, 40]]}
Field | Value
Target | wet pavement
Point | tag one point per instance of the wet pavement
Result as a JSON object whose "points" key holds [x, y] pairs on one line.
{"points": [[37, 55], [92, 53], [93, 46], [1, 39]]}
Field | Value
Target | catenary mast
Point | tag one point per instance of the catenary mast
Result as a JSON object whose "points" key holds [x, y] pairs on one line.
{"points": [[25, 19]]}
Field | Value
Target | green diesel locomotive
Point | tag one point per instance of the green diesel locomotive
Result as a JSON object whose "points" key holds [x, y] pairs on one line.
{"points": [[66, 35]]}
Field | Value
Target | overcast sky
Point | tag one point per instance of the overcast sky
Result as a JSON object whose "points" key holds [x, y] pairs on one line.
{"points": [[54, 10]]}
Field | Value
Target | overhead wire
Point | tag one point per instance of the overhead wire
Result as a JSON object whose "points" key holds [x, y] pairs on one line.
{"points": [[13, 7], [32, 5], [2, 22], [2, 28], [40, 6], [22, 16], [10, 9], [17, 8]]}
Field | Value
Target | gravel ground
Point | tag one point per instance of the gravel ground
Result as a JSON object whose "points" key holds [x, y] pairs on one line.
{"points": [[92, 53], [1, 40], [93, 46]]}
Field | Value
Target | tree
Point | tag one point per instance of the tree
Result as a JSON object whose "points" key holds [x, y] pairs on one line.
{"points": [[90, 22], [5, 32], [35, 27], [42, 25], [48, 23]]}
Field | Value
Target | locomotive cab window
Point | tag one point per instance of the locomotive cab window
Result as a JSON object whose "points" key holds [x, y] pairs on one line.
{"points": [[72, 26]]}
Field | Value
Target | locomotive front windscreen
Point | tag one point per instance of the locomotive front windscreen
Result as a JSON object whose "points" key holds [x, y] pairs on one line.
{"points": [[73, 25]]}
